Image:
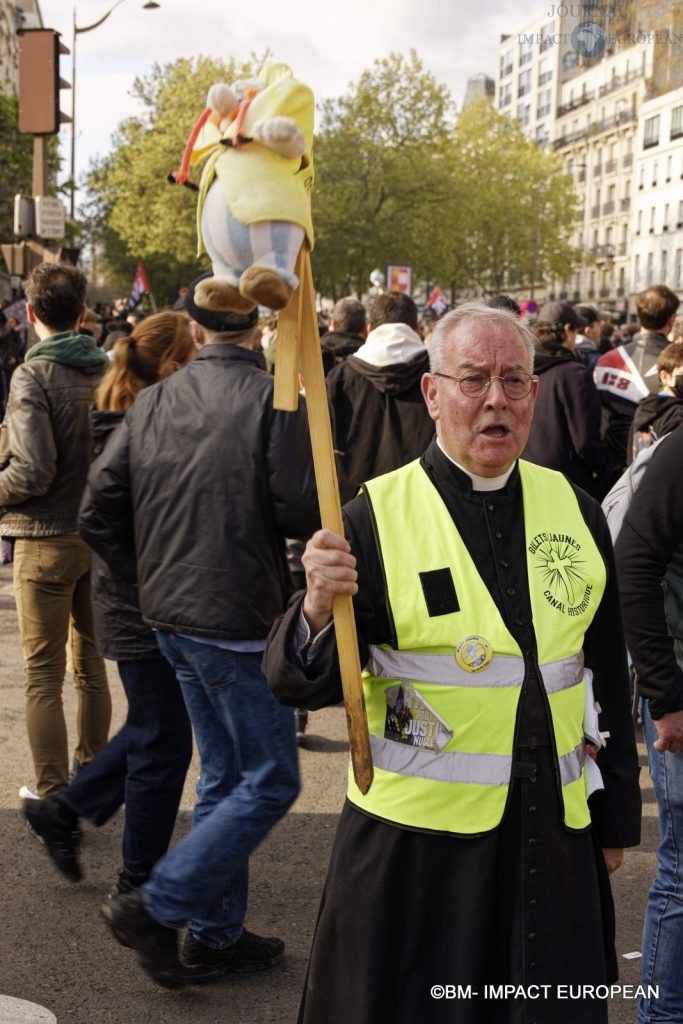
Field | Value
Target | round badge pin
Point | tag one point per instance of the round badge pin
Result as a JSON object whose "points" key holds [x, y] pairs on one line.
{"points": [[474, 653]]}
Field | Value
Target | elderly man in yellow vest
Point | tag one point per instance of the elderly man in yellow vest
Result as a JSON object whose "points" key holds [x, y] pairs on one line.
{"points": [[470, 883]]}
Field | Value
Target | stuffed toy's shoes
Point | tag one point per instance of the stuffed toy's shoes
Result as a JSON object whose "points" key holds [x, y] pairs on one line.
{"points": [[222, 297], [265, 286]]}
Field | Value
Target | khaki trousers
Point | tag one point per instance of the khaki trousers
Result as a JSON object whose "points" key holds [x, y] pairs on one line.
{"points": [[52, 592]]}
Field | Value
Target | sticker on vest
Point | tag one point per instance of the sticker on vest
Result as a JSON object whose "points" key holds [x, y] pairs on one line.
{"points": [[556, 556], [411, 720], [474, 653]]}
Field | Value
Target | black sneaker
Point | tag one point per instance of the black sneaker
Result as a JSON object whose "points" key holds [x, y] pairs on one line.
{"points": [[123, 885], [156, 946], [301, 721], [57, 827], [250, 953]]}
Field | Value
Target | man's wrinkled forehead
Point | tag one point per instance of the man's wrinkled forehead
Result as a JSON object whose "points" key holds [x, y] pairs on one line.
{"points": [[482, 344]]}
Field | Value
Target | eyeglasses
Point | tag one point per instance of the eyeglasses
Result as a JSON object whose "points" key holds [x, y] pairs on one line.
{"points": [[515, 385]]}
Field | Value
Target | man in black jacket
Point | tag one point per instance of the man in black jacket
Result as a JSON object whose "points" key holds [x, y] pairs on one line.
{"points": [[202, 482], [628, 373], [565, 432], [379, 420], [649, 555], [347, 330], [45, 451]]}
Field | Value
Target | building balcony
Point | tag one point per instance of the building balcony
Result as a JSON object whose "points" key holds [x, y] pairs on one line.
{"points": [[609, 123], [603, 252], [621, 119], [604, 293], [607, 208], [597, 170], [627, 162], [625, 204], [595, 212], [622, 249], [610, 167], [567, 108], [618, 80]]}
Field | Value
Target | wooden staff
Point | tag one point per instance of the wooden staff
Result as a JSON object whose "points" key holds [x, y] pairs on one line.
{"points": [[298, 342]]}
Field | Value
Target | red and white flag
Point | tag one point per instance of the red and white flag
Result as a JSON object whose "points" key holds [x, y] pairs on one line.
{"points": [[437, 302], [140, 287], [616, 373]]}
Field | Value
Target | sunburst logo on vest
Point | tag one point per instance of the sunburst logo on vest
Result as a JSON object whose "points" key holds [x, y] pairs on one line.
{"points": [[474, 653], [563, 571]]}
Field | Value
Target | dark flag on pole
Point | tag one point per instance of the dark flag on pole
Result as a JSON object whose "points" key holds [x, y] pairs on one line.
{"points": [[140, 287]]}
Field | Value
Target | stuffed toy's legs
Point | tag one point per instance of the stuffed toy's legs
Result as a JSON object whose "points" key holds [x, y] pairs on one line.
{"points": [[252, 263]]}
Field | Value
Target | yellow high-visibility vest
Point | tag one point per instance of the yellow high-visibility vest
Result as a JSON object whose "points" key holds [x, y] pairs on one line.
{"points": [[442, 707]]}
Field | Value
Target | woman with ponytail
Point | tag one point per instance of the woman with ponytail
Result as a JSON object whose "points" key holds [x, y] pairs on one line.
{"points": [[145, 764]]}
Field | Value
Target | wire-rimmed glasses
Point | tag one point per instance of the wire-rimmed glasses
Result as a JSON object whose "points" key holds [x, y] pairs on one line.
{"points": [[516, 384]]}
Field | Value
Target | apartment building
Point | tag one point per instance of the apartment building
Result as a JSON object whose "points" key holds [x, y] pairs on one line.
{"points": [[14, 14], [657, 243], [595, 132], [531, 67], [596, 122]]}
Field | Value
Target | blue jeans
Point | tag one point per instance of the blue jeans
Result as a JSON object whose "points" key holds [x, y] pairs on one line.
{"points": [[143, 765], [663, 931], [249, 777]]}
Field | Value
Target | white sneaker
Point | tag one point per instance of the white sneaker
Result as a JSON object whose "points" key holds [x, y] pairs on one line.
{"points": [[27, 794]]}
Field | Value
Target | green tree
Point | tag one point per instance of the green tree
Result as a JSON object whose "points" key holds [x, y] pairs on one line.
{"points": [[132, 212], [516, 207], [16, 160], [381, 175]]}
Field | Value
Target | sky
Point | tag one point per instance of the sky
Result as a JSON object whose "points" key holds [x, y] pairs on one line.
{"points": [[327, 45]]}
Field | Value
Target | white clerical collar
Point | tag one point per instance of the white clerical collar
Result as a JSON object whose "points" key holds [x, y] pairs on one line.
{"points": [[480, 483]]}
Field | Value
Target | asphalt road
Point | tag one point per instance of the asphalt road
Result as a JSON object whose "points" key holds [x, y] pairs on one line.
{"points": [[55, 950]]}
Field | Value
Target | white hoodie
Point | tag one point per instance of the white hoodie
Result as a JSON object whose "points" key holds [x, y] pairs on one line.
{"points": [[390, 344]]}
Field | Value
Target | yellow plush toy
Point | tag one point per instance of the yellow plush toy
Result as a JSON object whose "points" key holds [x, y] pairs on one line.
{"points": [[254, 208]]}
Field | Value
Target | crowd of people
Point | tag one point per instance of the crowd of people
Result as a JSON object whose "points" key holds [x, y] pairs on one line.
{"points": [[161, 514]]}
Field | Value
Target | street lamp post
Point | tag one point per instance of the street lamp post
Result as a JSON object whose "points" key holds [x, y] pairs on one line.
{"points": [[77, 31]]}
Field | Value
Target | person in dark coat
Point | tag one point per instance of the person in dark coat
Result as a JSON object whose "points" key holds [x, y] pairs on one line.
{"points": [[379, 420], [145, 763], [200, 486], [628, 373], [649, 558], [413, 902], [347, 330], [11, 354], [659, 414], [565, 431]]}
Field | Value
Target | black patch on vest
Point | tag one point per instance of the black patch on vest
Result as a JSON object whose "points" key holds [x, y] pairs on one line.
{"points": [[439, 591]]}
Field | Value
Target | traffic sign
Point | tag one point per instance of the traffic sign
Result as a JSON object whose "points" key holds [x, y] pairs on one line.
{"points": [[50, 217]]}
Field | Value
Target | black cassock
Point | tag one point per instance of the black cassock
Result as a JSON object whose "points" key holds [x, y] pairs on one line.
{"points": [[528, 904]]}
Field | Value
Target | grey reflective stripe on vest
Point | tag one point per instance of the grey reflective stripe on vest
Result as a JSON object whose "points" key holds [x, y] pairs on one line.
{"points": [[452, 766], [571, 765], [443, 670], [563, 674]]}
